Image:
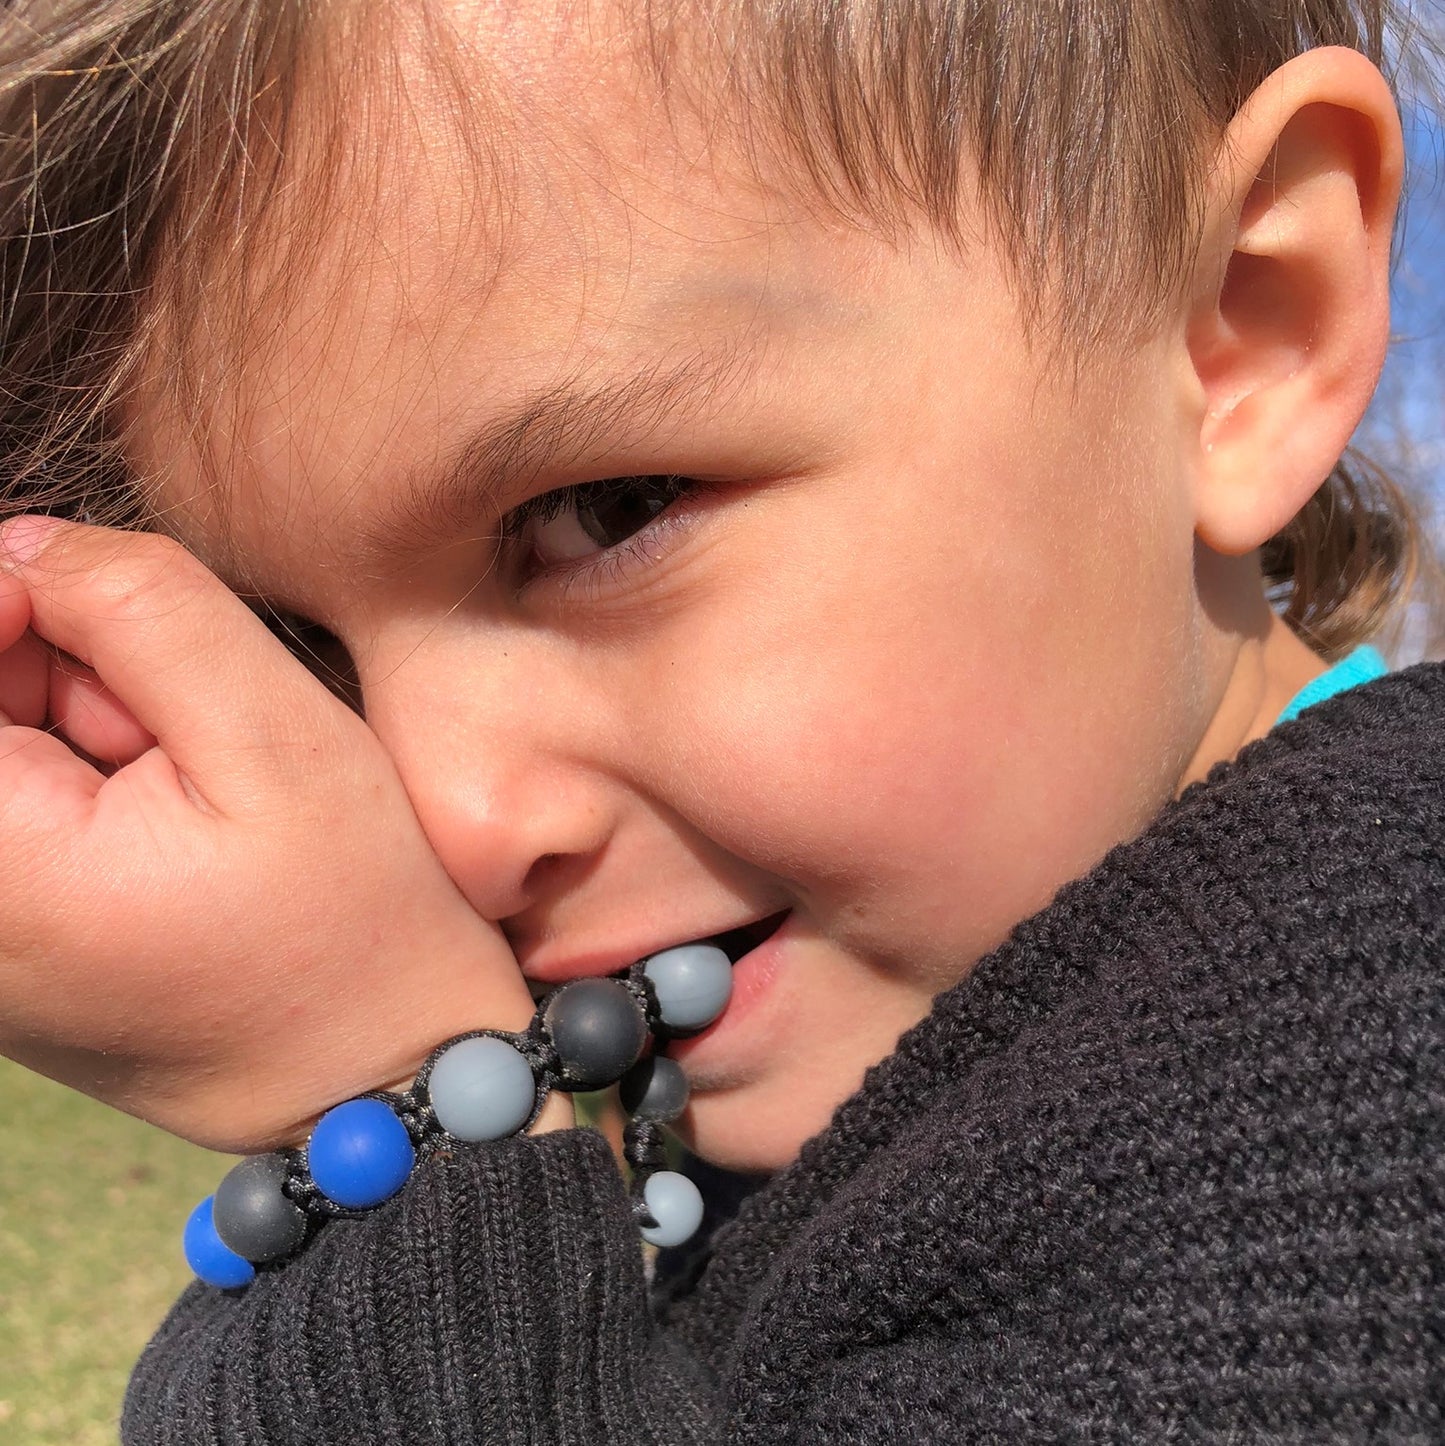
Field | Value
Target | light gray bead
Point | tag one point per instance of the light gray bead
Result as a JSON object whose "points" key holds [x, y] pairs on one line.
{"points": [[676, 1205], [597, 1029], [654, 1089], [251, 1214], [693, 984], [482, 1089]]}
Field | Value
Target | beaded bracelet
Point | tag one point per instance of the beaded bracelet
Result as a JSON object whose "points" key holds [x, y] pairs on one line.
{"points": [[485, 1085]]}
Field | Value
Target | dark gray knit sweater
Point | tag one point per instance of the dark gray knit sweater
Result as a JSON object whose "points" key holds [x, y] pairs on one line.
{"points": [[1168, 1166]]}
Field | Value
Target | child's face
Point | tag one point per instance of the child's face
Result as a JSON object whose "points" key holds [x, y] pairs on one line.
{"points": [[922, 648]]}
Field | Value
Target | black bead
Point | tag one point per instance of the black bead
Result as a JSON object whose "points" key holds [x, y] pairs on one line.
{"points": [[654, 1089], [251, 1214], [597, 1031]]}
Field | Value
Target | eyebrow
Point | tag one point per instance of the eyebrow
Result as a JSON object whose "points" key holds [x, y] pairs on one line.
{"points": [[565, 423]]}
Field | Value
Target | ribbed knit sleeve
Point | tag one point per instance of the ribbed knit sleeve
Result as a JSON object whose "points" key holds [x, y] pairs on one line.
{"points": [[499, 1298]]}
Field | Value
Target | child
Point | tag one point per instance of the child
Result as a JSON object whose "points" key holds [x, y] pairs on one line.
{"points": [[809, 475]]}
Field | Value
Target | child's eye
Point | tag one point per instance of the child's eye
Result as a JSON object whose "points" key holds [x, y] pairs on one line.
{"points": [[567, 526]]}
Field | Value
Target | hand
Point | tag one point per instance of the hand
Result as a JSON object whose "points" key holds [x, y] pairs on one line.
{"points": [[235, 921]]}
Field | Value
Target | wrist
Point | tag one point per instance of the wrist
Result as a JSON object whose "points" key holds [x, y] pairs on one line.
{"points": [[559, 1113]]}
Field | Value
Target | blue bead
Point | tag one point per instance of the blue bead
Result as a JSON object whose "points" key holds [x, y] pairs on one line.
{"points": [[676, 1205], [360, 1154], [212, 1260], [693, 984]]}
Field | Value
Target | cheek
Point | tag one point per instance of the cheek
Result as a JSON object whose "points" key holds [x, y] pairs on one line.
{"points": [[842, 727], [928, 732]]}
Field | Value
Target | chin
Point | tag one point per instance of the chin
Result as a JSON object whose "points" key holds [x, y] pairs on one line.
{"points": [[728, 1132]]}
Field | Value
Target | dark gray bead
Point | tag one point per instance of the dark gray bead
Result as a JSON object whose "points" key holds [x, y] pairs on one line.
{"points": [[654, 1089], [676, 1205], [482, 1089], [251, 1214], [597, 1029], [693, 984]]}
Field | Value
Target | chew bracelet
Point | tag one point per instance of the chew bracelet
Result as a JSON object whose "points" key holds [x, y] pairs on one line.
{"points": [[485, 1085]]}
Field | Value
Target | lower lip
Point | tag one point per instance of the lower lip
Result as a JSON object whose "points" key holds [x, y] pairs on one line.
{"points": [[753, 978]]}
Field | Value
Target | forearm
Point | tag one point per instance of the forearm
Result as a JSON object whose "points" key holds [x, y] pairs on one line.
{"points": [[500, 1297]]}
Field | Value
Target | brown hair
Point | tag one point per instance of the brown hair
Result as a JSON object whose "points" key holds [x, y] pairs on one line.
{"points": [[145, 129], [126, 129]]}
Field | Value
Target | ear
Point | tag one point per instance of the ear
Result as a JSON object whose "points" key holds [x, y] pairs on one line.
{"points": [[1289, 316]]}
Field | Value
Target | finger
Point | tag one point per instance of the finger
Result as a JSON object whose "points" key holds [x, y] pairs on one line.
{"points": [[24, 681], [22, 669], [90, 716], [14, 609], [39, 689], [40, 778], [191, 664]]}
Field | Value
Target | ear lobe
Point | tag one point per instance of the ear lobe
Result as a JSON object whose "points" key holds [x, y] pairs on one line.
{"points": [[1287, 335]]}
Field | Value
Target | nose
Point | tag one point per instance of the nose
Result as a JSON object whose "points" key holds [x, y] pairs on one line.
{"points": [[499, 778]]}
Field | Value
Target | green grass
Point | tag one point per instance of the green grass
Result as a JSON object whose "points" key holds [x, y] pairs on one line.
{"points": [[91, 1208]]}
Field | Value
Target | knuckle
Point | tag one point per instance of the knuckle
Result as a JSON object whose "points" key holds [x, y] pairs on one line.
{"points": [[135, 577]]}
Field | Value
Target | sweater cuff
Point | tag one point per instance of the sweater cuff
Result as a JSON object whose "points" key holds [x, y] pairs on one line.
{"points": [[500, 1297]]}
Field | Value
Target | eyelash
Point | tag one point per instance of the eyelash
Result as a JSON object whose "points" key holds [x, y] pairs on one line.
{"points": [[317, 648], [608, 565]]}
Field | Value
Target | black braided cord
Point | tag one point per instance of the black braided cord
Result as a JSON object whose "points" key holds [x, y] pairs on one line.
{"points": [[643, 1140]]}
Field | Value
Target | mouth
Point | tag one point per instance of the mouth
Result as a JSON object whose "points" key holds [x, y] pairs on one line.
{"points": [[735, 943]]}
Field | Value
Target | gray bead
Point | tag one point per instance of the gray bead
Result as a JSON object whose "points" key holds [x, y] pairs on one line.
{"points": [[654, 1089], [676, 1205], [597, 1029], [251, 1214], [693, 984], [482, 1089]]}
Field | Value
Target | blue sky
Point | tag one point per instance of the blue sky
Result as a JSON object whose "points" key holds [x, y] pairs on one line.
{"points": [[1407, 424]]}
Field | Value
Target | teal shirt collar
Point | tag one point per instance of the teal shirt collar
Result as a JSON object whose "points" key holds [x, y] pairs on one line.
{"points": [[1358, 667]]}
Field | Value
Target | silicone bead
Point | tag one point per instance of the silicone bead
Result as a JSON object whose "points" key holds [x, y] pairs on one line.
{"points": [[252, 1216], [360, 1154], [482, 1089], [693, 984], [597, 1029], [654, 1089], [676, 1205], [209, 1256]]}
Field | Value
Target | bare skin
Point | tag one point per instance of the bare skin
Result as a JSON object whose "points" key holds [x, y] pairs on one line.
{"points": [[928, 632]]}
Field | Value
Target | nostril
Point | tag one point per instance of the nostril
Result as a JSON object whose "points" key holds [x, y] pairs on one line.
{"points": [[548, 872]]}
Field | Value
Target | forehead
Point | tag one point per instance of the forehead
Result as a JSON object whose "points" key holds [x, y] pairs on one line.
{"points": [[515, 214]]}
